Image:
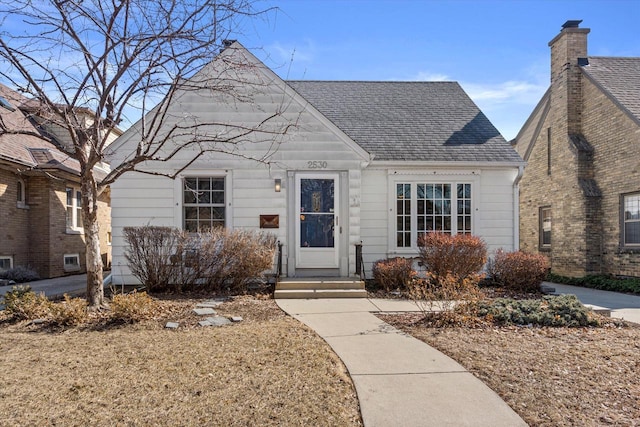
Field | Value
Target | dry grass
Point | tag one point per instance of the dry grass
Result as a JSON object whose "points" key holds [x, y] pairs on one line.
{"points": [[267, 370], [550, 376]]}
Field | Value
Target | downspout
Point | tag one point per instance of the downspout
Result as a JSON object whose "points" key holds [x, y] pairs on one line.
{"points": [[516, 208]]}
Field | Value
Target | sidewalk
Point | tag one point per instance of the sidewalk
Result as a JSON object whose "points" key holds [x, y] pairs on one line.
{"points": [[622, 306], [75, 285], [400, 381]]}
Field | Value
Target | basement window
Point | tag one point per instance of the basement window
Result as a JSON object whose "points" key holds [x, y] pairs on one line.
{"points": [[6, 262], [71, 262]]}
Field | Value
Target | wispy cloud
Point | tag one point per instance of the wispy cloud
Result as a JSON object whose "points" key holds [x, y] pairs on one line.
{"points": [[509, 92], [430, 77]]}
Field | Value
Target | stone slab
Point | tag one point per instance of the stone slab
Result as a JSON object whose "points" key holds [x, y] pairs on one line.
{"points": [[236, 319], [217, 321], [204, 311], [208, 304], [172, 325]]}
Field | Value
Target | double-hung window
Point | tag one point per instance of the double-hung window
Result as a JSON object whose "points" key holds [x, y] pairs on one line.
{"points": [[74, 209], [203, 203], [631, 220], [424, 207]]}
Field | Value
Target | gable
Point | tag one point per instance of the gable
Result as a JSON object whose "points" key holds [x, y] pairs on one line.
{"points": [[528, 135], [238, 106]]}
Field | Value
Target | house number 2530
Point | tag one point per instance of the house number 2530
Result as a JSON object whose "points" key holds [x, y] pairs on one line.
{"points": [[316, 164]]}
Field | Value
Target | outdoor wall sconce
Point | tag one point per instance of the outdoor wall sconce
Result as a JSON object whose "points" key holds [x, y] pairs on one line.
{"points": [[278, 185]]}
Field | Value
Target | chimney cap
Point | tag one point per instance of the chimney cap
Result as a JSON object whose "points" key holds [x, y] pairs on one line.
{"points": [[572, 23]]}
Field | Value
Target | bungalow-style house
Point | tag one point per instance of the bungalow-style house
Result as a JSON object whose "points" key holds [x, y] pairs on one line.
{"points": [[40, 196], [580, 193], [361, 162]]}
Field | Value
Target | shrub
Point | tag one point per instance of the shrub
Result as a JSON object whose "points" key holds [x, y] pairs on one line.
{"points": [[22, 303], [149, 255], [518, 270], [231, 258], [605, 283], [70, 312], [445, 298], [563, 310], [133, 307], [20, 274], [460, 256], [393, 273], [166, 259]]}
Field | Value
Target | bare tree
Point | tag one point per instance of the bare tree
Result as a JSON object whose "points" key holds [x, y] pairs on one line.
{"points": [[90, 65]]}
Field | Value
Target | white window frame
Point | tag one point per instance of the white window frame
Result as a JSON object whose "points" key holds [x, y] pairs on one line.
{"points": [[541, 212], [5, 258], [76, 210], [624, 221], [435, 177], [71, 267], [179, 196]]}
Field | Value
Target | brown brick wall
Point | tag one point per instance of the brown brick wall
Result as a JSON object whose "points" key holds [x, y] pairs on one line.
{"points": [[14, 221], [37, 236], [615, 138], [585, 234]]}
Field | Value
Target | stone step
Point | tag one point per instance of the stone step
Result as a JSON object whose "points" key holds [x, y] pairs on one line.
{"points": [[319, 284], [319, 293]]}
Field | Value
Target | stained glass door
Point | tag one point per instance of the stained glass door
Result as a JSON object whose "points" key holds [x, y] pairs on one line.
{"points": [[317, 221]]}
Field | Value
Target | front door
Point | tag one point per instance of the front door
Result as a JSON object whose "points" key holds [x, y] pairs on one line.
{"points": [[317, 221]]}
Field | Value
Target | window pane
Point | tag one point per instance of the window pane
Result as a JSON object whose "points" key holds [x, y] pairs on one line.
{"points": [[421, 191], [217, 197], [217, 184], [69, 196], [204, 184], [191, 226], [447, 191], [632, 233]]}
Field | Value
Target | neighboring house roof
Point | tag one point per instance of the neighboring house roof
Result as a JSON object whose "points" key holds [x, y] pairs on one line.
{"points": [[409, 121], [618, 77], [27, 150]]}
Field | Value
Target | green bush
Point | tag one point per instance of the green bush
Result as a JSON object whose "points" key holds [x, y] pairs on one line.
{"points": [[605, 283], [518, 270], [563, 310], [22, 303], [393, 273]]}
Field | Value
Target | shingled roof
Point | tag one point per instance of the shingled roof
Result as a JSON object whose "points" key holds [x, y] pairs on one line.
{"points": [[619, 77], [27, 149], [405, 121]]}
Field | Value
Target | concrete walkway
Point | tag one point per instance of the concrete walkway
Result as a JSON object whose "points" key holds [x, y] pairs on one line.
{"points": [[622, 306], [400, 380]]}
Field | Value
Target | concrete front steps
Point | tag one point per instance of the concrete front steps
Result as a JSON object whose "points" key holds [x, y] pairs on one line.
{"points": [[325, 287]]}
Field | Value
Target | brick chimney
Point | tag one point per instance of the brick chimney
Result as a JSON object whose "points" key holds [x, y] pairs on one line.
{"points": [[566, 49]]}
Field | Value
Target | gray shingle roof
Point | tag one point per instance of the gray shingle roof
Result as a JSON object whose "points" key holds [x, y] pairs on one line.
{"points": [[423, 121], [620, 76]]}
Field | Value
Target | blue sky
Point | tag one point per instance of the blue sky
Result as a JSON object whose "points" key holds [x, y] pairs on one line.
{"points": [[497, 50]]}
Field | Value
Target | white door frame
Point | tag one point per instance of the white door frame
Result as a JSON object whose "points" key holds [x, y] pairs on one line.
{"points": [[317, 258]]}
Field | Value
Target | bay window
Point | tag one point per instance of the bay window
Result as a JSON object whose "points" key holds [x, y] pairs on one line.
{"points": [[423, 207]]}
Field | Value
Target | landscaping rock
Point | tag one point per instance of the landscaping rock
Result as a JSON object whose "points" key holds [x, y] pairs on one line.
{"points": [[214, 321], [209, 304], [236, 319], [204, 311], [172, 325]]}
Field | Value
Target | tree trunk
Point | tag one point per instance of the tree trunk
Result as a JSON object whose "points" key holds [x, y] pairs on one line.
{"points": [[95, 290]]}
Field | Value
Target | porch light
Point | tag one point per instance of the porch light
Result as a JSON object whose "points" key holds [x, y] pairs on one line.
{"points": [[278, 185]]}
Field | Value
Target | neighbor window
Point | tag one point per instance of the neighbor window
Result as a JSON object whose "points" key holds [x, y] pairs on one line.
{"points": [[631, 219], [6, 262], [21, 193], [74, 209], [71, 262], [431, 207], [203, 203], [545, 227]]}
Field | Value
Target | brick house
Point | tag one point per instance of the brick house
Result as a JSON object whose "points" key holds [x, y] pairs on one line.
{"points": [[580, 192], [41, 223]]}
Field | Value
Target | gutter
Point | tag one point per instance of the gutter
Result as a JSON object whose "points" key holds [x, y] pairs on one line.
{"points": [[516, 208]]}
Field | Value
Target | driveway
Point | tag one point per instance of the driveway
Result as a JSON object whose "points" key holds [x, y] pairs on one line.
{"points": [[622, 306]]}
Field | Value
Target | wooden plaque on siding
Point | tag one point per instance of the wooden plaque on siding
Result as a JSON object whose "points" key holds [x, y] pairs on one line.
{"points": [[269, 221]]}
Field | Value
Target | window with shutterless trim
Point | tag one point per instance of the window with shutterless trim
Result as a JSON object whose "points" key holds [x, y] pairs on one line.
{"points": [[203, 203], [630, 220]]}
